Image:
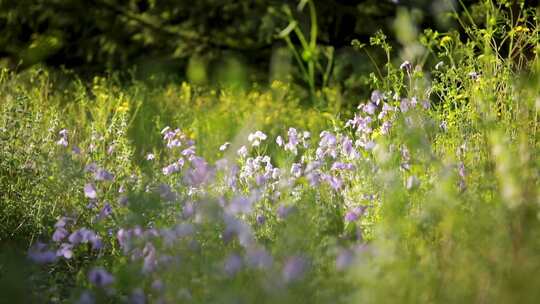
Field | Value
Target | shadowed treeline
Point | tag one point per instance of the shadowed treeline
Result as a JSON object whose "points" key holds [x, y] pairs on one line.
{"points": [[171, 36]]}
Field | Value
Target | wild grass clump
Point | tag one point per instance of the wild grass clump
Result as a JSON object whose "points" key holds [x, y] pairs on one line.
{"points": [[428, 193]]}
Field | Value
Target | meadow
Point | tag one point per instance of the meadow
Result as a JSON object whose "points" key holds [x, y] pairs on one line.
{"points": [[425, 191]]}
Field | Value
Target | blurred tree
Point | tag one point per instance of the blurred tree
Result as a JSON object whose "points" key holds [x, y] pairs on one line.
{"points": [[97, 35], [115, 33]]}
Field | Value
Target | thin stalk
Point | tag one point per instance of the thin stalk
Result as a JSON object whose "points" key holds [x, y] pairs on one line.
{"points": [[329, 66], [374, 64], [312, 45], [296, 56]]}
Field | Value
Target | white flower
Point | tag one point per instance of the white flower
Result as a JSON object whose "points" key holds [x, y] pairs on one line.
{"points": [[242, 152], [256, 138], [224, 146], [279, 140]]}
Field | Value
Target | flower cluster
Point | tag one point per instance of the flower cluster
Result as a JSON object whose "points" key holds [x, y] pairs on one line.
{"points": [[235, 198]]}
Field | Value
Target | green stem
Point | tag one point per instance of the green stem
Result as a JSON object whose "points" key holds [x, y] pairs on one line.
{"points": [[296, 56]]}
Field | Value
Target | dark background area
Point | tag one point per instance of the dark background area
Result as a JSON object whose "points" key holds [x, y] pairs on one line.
{"points": [[166, 37]]}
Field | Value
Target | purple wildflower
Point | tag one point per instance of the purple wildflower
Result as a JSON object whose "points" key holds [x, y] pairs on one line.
{"points": [[39, 254], [327, 145], [344, 259], [174, 167], [85, 235], [385, 110], [62, 222], [111, 149], [105, 211], [258, 258], [335, 182], [242, 152], [348, 148], [296, 170], [413, 101], [188, 210], [327, 139], [91, 167], [190, 151], [370, 108], [199, 173], [102, 175], [62, 142], [240, 204], [376, 97], [260, 179], [293, 141], [65, 250], [293, 136], [123, 200], [222, 164], [283, 211], [233, 264], [157, 285], [351, 216], [150, 261], [355, 213], [461, 169], [444, 126], [86, 298], [294, 269], [385, 127], [425, 104], [184, 230], [166, 193], [362, 124], [261, 219], [100, 277], [90, 191], [63, 132], [59, 234], [314, 178], [407, 66], [342, 166], [137, 297], [76, 150], [365, 143], [404, 105], [236, 227], [474, 75], [406, 158]]}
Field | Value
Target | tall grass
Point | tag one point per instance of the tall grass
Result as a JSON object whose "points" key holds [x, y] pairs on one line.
{"points": [[429, 193]]}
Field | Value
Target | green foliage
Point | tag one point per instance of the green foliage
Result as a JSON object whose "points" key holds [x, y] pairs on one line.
{"points": [[114, 33], [446, 175]]}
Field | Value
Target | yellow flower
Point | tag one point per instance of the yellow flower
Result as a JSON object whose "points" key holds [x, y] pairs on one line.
{"points": [[123, 108], [445, 40], [520, 28]]}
